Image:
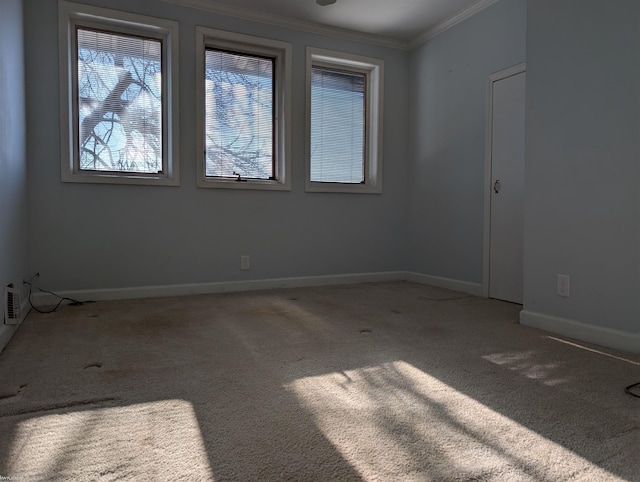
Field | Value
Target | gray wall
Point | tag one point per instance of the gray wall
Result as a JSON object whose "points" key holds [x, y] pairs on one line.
{"points": [[14, 259], [582, 213], [448, 91], [104, 236]]}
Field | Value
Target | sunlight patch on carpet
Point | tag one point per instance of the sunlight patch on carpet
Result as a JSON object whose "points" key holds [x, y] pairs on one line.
{"points": [[393, 420], [151, 441], [524, 362]]}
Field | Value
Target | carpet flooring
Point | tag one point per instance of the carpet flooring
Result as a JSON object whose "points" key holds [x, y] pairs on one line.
{"points": [[375, 382]]}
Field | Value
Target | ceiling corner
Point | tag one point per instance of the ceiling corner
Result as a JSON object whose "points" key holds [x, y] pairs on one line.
{"points": [[450, 22]]}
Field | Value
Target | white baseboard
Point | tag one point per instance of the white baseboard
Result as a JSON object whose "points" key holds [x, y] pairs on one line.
{"points": [[255, 285], [218, 287], [448, 283], [7, 331], [44, 299], [617, 339]]}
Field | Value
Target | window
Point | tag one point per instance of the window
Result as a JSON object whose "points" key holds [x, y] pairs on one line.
{"points": [[338, 112], [244, 97], [119, 97], [344, 122]]}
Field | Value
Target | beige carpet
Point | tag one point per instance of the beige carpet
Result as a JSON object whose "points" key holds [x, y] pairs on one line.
{"points": [[389, 381]]}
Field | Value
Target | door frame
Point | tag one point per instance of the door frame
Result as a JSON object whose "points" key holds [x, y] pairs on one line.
{"points": [[488, 157]]}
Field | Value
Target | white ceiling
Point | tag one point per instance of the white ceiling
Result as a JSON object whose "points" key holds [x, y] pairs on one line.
{"points": [[401, 21]]}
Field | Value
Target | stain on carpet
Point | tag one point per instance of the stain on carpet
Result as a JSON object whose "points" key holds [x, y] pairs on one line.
{"points": [[12, 394]]}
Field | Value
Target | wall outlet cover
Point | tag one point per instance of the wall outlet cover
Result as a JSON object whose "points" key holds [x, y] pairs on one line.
{"points": [[245, 262], [564, 285]]}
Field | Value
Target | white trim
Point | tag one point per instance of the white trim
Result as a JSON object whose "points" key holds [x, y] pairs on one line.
{"points": [[450, 22], [474, 289], [248, 44], [488, 155], [256, 285], [280, 21], [374, 71], [72, 14], [617, 339], [217, 287], [311, 27], [7, 331]]}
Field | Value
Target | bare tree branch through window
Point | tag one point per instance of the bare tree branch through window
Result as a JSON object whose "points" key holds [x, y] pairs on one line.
{"points": [[119, 102], [239, 120]]}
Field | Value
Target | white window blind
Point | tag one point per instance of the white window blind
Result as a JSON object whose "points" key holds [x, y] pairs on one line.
{"points": [[239, 115], [338, 114], [119, 102]]}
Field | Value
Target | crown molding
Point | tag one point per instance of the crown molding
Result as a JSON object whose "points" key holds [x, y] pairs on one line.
{"points": [[280, 21], [450, 22]]}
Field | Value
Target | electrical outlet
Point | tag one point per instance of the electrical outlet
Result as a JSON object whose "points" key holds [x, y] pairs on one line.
{"points": [[564, 285], [245, 262]]}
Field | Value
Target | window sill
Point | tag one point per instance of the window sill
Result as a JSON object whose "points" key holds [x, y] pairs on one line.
{"points": [[344, 188], [131, 179], [249, 184]]}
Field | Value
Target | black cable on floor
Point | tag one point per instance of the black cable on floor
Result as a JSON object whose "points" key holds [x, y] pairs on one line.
{"points": [[628, 390], [72, 301]]}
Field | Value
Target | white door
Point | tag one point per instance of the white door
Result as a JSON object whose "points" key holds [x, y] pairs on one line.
{"points": [[507, 186]]}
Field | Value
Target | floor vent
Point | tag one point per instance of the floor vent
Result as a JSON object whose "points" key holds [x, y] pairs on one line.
{"points": [[11, 306]]}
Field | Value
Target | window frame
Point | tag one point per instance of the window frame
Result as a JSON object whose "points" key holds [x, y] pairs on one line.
{"points": [[374, 89], [72, 16], [209, 38]]}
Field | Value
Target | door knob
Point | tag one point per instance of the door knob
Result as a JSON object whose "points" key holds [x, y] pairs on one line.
{"points": [[496, 186]]}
